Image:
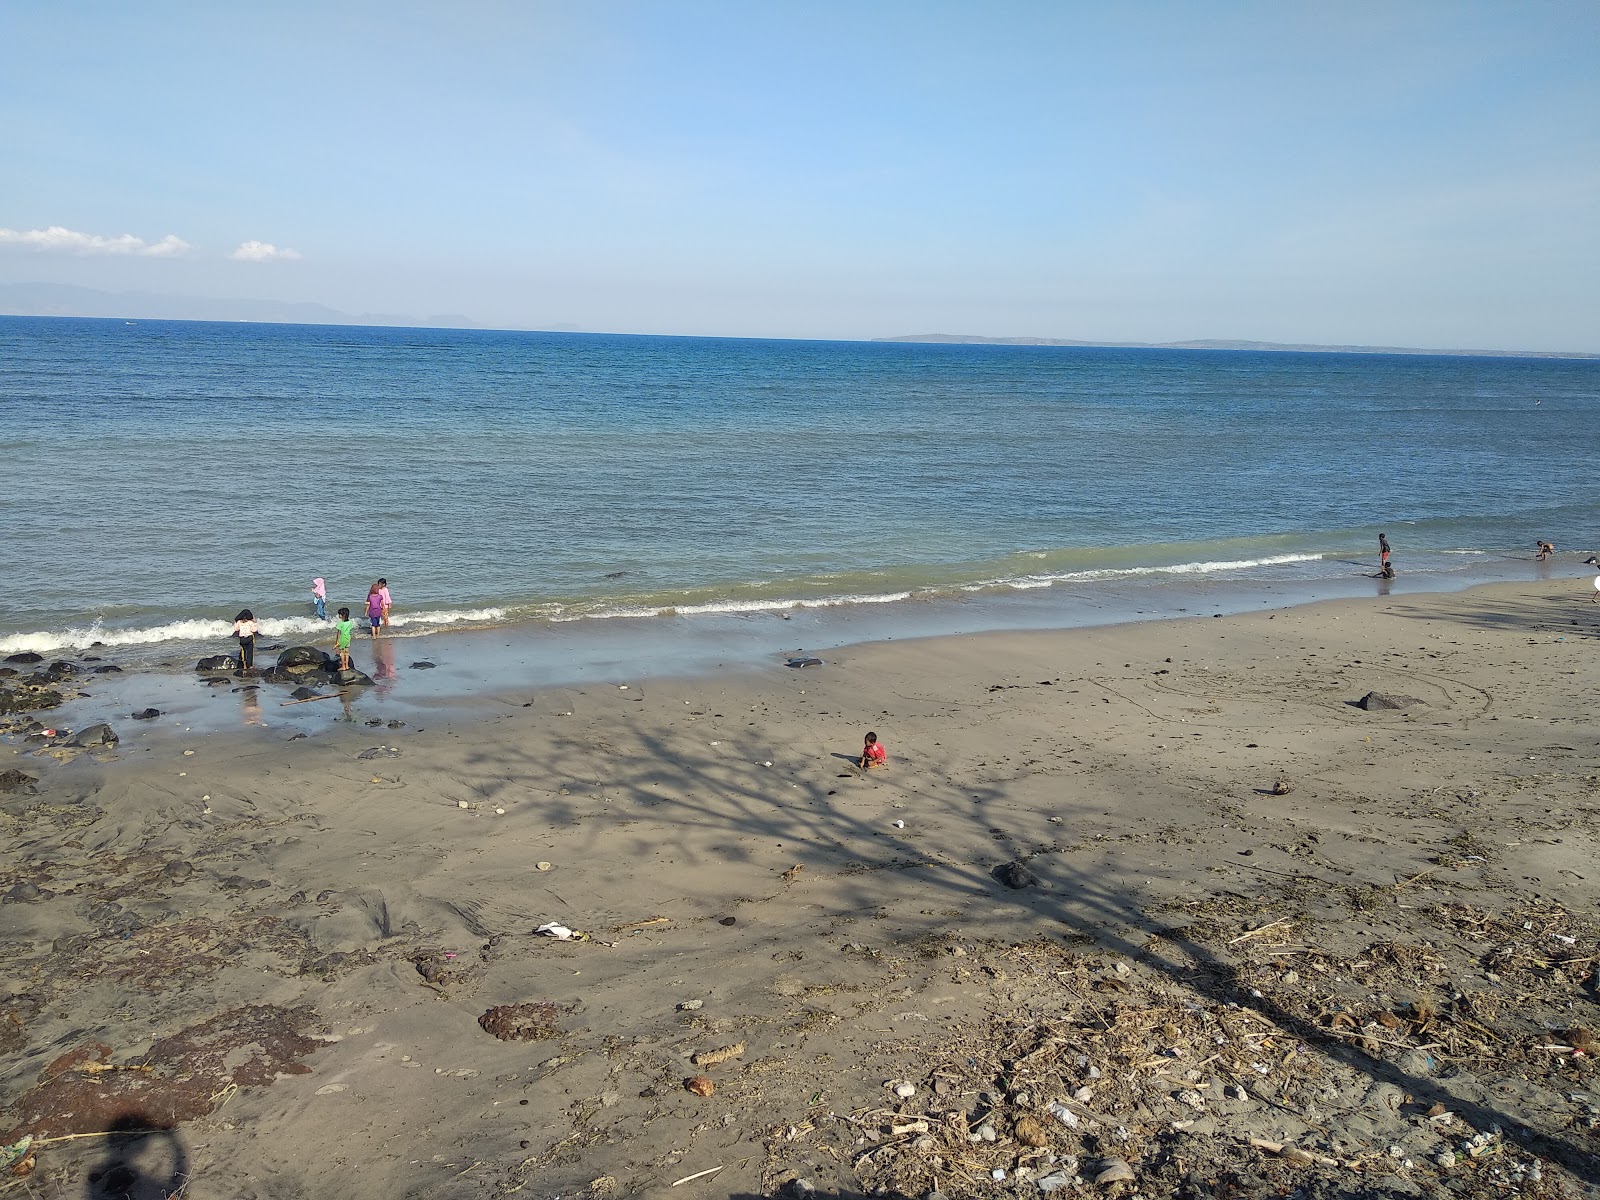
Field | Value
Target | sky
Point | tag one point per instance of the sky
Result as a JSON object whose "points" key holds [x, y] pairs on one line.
{"points": [[1389, 173]]}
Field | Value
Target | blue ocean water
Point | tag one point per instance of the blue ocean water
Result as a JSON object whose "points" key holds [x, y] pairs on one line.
{"points": [[162, 475]]}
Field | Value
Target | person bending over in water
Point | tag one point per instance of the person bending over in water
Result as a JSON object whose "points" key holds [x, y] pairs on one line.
{"points": [[1546, 549], [244, 628], [1387, 572], [872, 753]]}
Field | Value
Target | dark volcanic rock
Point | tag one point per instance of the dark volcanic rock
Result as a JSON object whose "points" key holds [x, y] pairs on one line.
{"points": [[28, 698], [95, 735], [1015, 875], [1378, 701], [25, 656], [303, 656], [108, 669], [217, 662], [351, 676], [147, 714], [424, 665], [304, 693]]}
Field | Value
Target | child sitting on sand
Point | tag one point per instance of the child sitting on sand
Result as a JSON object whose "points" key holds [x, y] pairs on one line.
{"points": [[872, 754], [344, 627]]}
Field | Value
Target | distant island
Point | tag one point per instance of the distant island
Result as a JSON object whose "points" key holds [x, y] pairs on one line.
{"points": [[967, 339]]}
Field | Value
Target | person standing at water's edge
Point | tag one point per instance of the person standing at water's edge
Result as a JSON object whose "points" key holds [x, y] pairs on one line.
{"points": [[319, 597], [244, 628], [1383, 550], [383, 590], [374, 610]]}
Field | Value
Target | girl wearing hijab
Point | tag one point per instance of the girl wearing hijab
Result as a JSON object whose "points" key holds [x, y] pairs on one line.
{"points": [[244, 628]]}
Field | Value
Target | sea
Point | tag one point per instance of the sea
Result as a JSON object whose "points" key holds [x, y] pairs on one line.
{"points": [[160, 476]]}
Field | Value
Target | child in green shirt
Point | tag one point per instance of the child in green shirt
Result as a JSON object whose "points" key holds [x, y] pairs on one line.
{"points": [[344, 627]]}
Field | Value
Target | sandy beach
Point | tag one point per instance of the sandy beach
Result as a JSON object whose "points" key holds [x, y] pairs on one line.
{"points": [[1263, 940]]}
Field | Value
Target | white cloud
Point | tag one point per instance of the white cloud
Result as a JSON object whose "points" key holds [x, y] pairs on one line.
{"points": [[261, 252], [61, 240]]}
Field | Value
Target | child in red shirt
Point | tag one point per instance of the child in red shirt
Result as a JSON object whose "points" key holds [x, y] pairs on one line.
{"points": [[872, 754]]}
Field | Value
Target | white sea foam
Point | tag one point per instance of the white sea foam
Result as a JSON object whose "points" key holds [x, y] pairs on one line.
{"points": [[195, 630]]}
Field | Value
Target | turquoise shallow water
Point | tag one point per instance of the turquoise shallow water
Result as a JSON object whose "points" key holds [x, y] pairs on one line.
{"points": [[162, 475]]}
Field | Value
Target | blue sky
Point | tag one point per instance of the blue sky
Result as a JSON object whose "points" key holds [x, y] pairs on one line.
{"points": [[1393, 173]]}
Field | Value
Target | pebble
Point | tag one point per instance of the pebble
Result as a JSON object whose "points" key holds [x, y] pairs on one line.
{"points": [[541, 866], [1446, 1159], [462, 804], [904, 1090], [691, 1006]]}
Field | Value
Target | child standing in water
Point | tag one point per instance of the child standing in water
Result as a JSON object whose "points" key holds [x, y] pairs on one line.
{"points": [[319, 597], [244, 628], [343, 629], [375, 608], [872, 753]]}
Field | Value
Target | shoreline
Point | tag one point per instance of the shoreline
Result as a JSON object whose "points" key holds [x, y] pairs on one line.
{"points": [[321, 928]]}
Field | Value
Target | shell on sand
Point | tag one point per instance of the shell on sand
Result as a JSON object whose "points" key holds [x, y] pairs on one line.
{"points": [[699, 1085]]}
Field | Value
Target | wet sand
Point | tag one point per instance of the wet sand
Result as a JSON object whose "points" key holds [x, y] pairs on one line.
{"points": [[287, 950]]}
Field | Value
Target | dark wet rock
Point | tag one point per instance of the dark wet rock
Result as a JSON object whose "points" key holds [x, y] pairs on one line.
{"points": [[380, 752], [304, 693], [95, 735], [1015, 875], [374, 720], [241, 883], [24, 892], [25, 656], [147, 714], [29, 697], [424, 665], [177, 870], [7, 672], [804, 662], [302, 656], [1380, 701], [108, 669], [217, 662], [64, 668], [397, 724], [16, 781], [72, 943], [351, 677], [216, 681]]}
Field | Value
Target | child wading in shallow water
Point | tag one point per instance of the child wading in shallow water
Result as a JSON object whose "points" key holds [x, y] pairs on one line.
{"points": [[244, 628], [872, 754], [343, 629]]}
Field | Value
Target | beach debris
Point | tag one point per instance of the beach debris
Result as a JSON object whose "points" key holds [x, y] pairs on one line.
{"points": [[423, 665], [804, 662], [1282, 787], [380, 752], [898, 824], [699, 1085], [792, 873], [727, 920], [217, 662], [18, 1157], [1382, 701], [696, 1175], [541, 865], [1114, 1170], [305, 695], [712, 1058], [691, 1005], [902, 1088], [146, 714], [16, 781], [1016, 876], [462, 804], [536, 1021], [1030, 1131], [551, 929], [499, 812]]}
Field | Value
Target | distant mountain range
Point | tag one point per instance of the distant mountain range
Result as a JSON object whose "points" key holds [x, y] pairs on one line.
{"points": [[65, 300], [966, 339]]}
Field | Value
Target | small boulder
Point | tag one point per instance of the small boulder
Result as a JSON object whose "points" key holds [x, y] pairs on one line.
{"points": [[1016, 876], [298, 656], [25, 656], [217, 662], [304, 693], [1379, 701], [94, 735], [146, 714], [351, 676]]}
